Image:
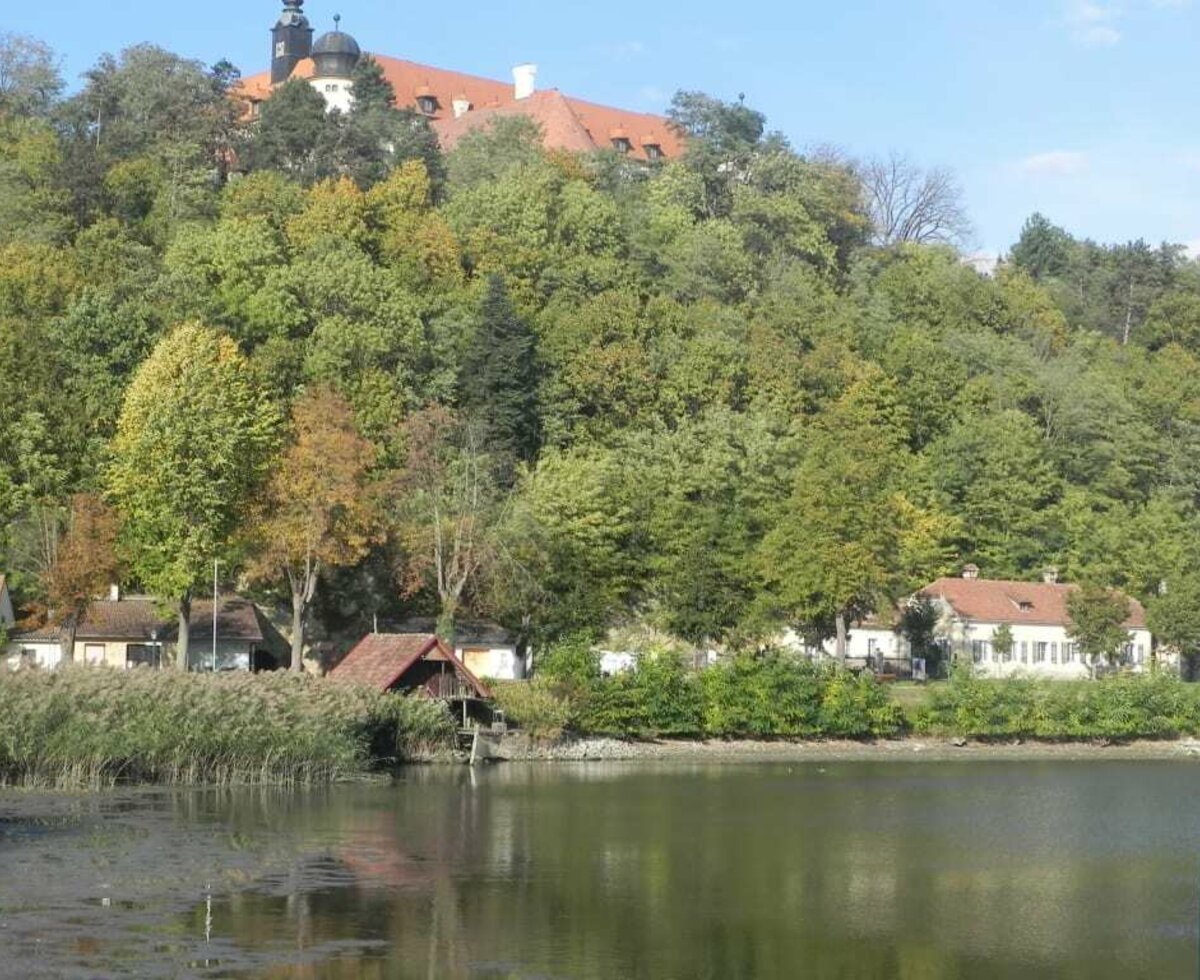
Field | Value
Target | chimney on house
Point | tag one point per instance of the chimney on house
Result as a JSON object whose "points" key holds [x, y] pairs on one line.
{"points": [[461, 106], [970, 571], [114, 593], [524, 81], [1050, 576]]}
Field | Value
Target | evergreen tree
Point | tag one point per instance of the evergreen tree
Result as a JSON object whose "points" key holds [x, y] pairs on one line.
{"points": [[498, 379]]}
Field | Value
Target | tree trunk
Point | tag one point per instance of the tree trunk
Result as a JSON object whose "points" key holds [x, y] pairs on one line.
{"points": [[298, 610], [185, 625], [67, 644], [839, 622]]}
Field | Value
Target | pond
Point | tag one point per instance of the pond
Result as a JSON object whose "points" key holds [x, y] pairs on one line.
{"points": [[919, 871]]}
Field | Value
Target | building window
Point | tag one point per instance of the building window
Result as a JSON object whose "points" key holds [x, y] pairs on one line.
{"points": [[93, 654], [980, 650], [1039, 652], [1024, 651], [427, 104], [28, 657], [1068, 652], [653, 151], [143, 655], [621, 144], [1141, 654]]}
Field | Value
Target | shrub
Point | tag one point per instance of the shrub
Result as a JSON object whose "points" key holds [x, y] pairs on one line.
{"points": [[536, 707], [1121, 707], [83, 726]]}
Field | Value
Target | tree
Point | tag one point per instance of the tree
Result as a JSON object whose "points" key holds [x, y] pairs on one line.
{"points": [[317, 510], [1098, 618], [85, 565], [848, 537], [291, 130], [193, 443], [1002, 641], [1174, 618], [911, 205], [498, 380], [30, 81], [446, 503], [1043, 250]]}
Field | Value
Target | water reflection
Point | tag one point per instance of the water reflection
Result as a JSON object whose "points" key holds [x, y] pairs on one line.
{"points": [[921, 872]]}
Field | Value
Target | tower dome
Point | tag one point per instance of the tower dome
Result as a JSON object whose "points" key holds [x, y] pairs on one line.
{"points": [[335, 54]]}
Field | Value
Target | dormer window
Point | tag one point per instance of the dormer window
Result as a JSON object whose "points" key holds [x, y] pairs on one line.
{"points": [[427, 102], [1025, 605], [653, 151], [620, 141]]}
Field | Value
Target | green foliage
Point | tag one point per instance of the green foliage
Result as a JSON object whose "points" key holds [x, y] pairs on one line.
{"points": [[85, 728], [193, 443], [537, 707], [1098, 618], [1120, 707]]}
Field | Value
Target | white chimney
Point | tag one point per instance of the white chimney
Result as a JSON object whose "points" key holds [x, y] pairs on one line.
{"points": [[970, 572], [114, 593], [461, 106], [524, 81], [1050, 576]]}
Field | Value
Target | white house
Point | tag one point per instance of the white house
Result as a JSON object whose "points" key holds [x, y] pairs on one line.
{"points": [[874, 641], [486, 649], [972, 609], [126, 632]]}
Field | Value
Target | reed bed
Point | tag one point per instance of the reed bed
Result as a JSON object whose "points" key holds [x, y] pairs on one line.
{"points": [[83, 727]]}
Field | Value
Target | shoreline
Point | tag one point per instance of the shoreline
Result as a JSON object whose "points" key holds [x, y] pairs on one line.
{"points": [[520, 748]]}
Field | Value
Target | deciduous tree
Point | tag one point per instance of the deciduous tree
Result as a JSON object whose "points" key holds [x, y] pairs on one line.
{"points": [[193, 443], [317, 510]]}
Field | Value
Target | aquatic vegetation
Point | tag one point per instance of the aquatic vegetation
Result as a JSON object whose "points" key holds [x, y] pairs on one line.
{"points": [[84, 727]]}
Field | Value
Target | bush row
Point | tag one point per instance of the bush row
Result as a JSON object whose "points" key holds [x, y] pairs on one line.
{"points": [[83, 727], [1121, 707], [747, 697]]}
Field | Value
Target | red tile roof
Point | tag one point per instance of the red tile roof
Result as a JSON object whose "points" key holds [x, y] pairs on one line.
{"points": [[1015, 603], [569, 124], [381, 659]]}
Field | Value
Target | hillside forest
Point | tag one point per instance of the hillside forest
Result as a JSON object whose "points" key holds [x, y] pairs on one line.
{"points": [[716, 395]]}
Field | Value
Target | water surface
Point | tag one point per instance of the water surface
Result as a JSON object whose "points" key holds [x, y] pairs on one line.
{"points": [[920, 871]]}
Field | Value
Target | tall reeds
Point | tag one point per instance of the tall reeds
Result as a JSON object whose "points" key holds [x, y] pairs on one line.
{"points": [[87, 727]]}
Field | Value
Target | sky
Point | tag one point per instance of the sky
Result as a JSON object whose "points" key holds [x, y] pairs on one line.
{"points": [[1085, 110]]}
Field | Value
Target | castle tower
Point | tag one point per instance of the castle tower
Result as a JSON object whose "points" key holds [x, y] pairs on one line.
{"points": [[335, 56], [291, 41]]}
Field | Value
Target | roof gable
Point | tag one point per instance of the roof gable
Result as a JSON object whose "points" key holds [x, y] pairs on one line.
{"points": [[380, 660]]}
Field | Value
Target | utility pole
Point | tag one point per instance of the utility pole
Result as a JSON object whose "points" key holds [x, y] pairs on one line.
{"points": [[214, 643]]}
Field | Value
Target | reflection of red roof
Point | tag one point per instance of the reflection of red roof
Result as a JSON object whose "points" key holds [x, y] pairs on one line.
{"points": [[382, 659], [569, 124], [1035, 603]]}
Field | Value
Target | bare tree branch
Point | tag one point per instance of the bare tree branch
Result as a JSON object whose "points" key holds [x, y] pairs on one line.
{"points": [[909, 204]]}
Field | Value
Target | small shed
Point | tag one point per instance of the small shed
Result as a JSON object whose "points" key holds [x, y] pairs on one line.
{"points": [[418, 663]]}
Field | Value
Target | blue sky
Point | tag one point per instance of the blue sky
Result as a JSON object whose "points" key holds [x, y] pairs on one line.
{"points": [[1084, 109]]}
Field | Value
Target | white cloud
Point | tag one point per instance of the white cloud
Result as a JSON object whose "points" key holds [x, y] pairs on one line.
{"points": [[1055, 163], [1092, 24]]}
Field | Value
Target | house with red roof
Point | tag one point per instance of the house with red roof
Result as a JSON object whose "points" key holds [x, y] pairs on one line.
{"points": [[421, 664], [973, 609], [455, 103]]}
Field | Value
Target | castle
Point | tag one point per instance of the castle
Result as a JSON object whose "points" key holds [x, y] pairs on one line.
{"points": [[453, 102]]}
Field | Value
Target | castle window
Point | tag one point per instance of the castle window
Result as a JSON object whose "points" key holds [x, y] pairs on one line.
{"points": [[427, 104]]}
